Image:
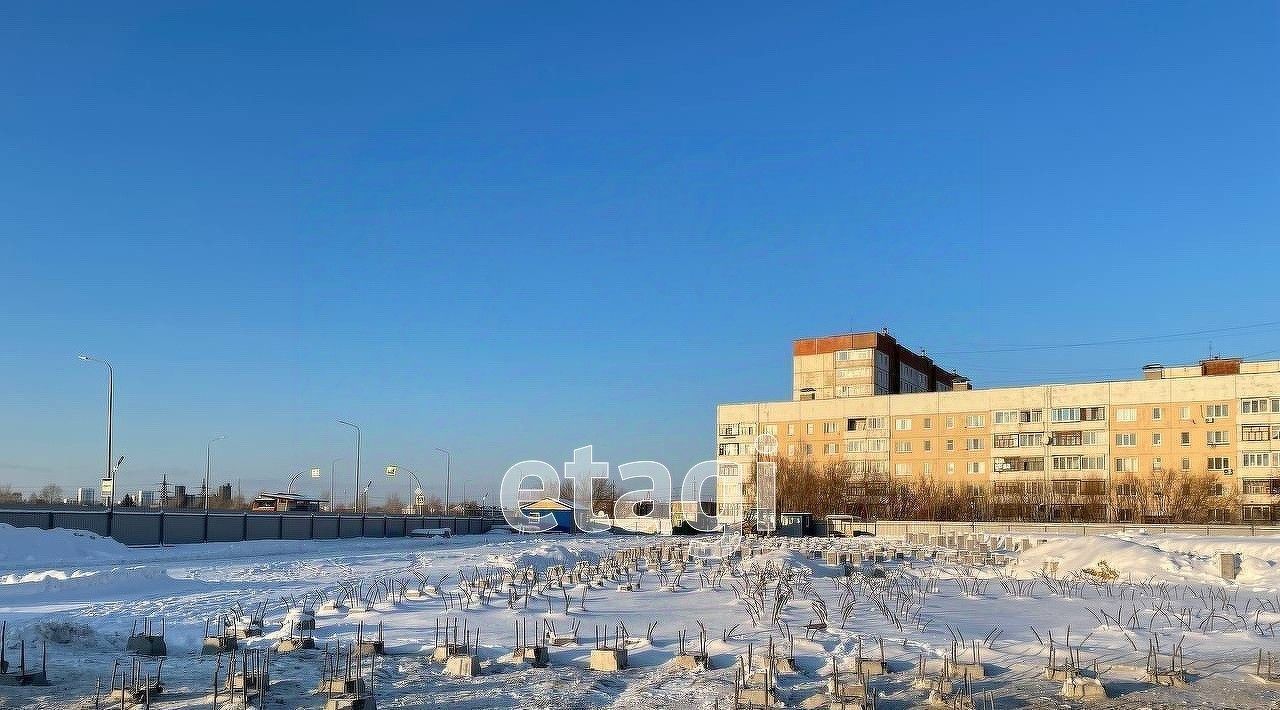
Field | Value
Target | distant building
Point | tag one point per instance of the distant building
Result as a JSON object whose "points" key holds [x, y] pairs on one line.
{"points": [[1090, 451], [285, 503], [86, 496], [559, 509], [147, 499]]}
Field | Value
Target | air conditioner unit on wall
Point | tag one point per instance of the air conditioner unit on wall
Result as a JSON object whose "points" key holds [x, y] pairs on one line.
{"points": [[1208, 420]]}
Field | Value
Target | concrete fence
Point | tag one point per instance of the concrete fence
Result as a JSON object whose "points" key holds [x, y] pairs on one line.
{"points": [[157, 527], [898, 528]]}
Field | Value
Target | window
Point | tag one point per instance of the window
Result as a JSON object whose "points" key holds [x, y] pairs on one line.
{"points": [[902, 469], [771, 429], [1031, 439], [1128, 414], [1093, 463], [1093, 414], [853, 424], [974, 421], [928, 445], [1254, 406], [1066, 438], [1157, 464], [728, 430], [830, 449], [1216, 438], [1215, 410], [1255, 432], [853, 355], [1005, 441], [729, 449], [926, 468], [1126, 439], [1030, 416], [902, 424], [808, 428], [1127, 465], [1126, 490], [951, 422], [875, 422], [1066, 414], [1157, 438], [1185, 438], [951, 467], [1219, 463], [902, 447], [1157, 413], [927, 423], [791, 449], [791, 429], [806, 449], [1005, 416], [973, 444], [1185, 464], [748, 429], [1066, 463], [1094, 438], [853, 390], [828, 427], [1184, 413], [975, 491], [1253, 459], [950, 445], [974, 467]]}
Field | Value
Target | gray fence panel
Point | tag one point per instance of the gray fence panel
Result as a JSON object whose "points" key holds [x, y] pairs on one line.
{"points": [[93, 522], [262, 527], [296, 527], [326, 527], [226, 527], [26, 519], [397, 527], [349, 526], [136, 529], [375, 526], [182, 528]]}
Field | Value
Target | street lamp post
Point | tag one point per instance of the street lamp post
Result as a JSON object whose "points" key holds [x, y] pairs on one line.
{"points": [[314, 471], [333, 474], [392, 469], [111, 396], [208, 464], [359, 436], [448, 475]]}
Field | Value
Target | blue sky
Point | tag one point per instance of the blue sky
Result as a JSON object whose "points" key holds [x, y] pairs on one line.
{"points": [[510, 230]]}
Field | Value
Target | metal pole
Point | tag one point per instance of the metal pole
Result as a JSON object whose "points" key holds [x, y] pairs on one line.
{"points": [[359, 436], [448, 475], [333, 473], [208, 460], [111, 396]]}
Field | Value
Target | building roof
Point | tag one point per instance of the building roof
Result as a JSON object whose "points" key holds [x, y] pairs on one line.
{"points": [[547, 504]]}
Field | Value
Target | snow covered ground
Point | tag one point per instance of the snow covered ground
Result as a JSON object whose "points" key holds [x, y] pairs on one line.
{"points": [[83, 594]]}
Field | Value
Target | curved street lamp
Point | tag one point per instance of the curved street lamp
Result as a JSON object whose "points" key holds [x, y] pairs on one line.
{"points": [[392, 469], [356, 490], [315, 473]]}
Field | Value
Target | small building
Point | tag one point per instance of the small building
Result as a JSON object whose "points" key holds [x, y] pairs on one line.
{"points": [[285, 503], [559, 509], [86, 496]]}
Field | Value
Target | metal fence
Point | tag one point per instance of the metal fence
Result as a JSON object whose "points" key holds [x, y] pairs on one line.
{"points": [[158, 527], [897, 528]]}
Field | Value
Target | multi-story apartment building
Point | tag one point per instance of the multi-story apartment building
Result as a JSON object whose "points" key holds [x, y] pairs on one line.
{"points": [[1085, 451]]}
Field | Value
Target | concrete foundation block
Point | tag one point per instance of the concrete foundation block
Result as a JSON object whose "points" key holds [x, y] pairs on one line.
{"points": [[351, 702], [146, 645], [608, 659], [974, 671], [289, 645], [692, 661], [213, 645], [463, 666], [341, 686]]}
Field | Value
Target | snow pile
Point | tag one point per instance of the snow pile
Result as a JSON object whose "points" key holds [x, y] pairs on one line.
{"points": [[1139, 556], [25, 548], [543, 556]]}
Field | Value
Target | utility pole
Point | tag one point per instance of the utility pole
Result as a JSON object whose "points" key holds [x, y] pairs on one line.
{"points": [[208, 460]]}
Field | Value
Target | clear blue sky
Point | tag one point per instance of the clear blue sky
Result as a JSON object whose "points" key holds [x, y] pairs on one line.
{"points": [[512, 229]]}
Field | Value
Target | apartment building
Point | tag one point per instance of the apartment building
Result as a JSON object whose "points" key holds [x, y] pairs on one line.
{"points": [[1115, 451]]}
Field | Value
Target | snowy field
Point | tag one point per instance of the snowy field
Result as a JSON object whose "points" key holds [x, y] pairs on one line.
{"points": [[83, 594]]}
